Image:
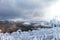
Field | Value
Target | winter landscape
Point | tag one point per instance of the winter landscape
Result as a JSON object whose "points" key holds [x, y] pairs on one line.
{"points": [[29, 19], [52, 33]]}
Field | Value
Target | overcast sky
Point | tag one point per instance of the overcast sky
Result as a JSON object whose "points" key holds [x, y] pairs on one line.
{"points": [[24, 9]]}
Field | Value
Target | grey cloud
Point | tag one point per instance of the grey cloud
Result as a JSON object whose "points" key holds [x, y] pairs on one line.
{"points": [[26, 9]]}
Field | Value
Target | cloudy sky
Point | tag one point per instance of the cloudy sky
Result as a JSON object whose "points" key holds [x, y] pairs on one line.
{"points": [[26, 9]]}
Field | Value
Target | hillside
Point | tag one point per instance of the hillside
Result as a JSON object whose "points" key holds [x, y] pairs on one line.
{"points": [[11, 26]]}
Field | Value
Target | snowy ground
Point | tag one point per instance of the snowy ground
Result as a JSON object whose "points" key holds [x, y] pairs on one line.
{"points": [[40, 34]]}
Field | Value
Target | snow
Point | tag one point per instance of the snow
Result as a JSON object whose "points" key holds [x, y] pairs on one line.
{"points": [[40, 34], [26, 23]]}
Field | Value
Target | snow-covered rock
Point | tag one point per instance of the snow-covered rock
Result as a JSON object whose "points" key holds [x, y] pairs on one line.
{"points": [[26, 23]]}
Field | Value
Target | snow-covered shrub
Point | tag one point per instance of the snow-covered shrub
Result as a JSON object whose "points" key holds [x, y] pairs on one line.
{"points": [[40, 34]]}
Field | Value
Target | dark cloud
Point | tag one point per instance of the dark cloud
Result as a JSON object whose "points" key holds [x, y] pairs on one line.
{"points": [[26, 9]]}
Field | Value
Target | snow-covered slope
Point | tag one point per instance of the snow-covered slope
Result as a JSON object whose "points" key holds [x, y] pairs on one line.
{"points": [[40, 34]]}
